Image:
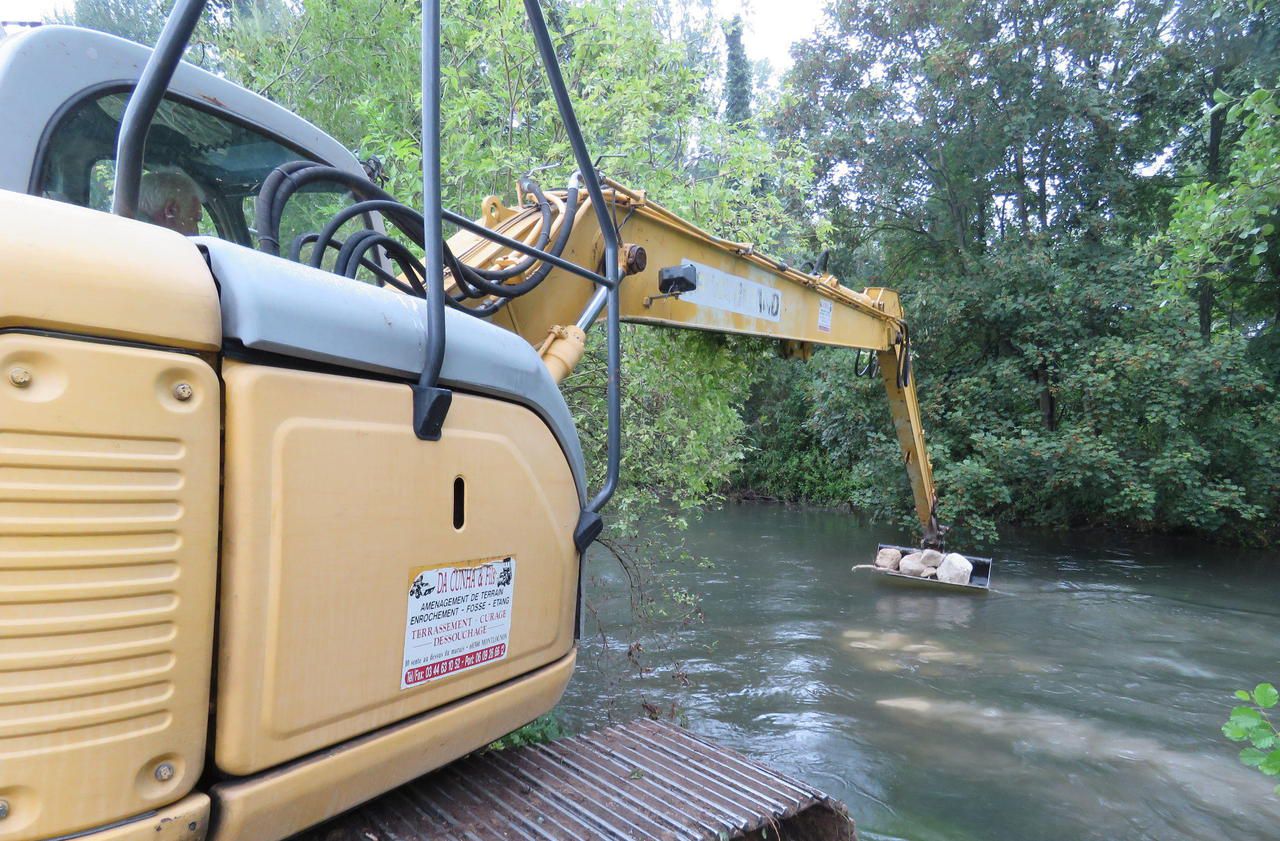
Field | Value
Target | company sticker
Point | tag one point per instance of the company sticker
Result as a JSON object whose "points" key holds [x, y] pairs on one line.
{"points": [[724, 291], [459, 618], [824, 315]]}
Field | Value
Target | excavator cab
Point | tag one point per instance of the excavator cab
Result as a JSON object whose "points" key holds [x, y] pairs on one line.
{"points": [[223, 138], [195, 436]]}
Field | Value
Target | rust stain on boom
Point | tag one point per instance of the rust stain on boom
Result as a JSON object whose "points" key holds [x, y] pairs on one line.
{"points": [[643, 780]]}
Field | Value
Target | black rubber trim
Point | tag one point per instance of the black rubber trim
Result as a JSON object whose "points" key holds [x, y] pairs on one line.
{"points": [[430, 408], [104, 340], [590, 525]]}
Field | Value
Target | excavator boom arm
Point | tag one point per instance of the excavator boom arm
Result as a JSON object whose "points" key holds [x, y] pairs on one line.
{"points": [[734, 289]]}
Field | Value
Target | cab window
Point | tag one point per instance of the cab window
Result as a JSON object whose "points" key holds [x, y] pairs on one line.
{"points": [[202, 171]]}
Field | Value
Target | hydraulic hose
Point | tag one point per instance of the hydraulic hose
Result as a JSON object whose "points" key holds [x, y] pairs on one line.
{"points": [[544, 234], [904, 359], [404, 218], [351, 258], [472, 282], [868, 370], [287, 179], [268, 236], [562, 236], [515, 290], [382, 274]]}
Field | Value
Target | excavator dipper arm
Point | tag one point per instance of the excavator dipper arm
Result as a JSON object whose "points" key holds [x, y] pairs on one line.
{"points": [[678, 275]]}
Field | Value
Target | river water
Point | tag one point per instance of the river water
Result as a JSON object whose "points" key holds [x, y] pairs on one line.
{"points": [[1080, 699]]}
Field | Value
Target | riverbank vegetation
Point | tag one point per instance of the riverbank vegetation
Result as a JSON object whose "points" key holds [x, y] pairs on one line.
{"points": [[1077, 199]]}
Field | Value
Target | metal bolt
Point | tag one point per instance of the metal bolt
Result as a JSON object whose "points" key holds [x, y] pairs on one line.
{"points": [[182, 391], [164, 771], [4, 809], [634, 259], [20, 377]]}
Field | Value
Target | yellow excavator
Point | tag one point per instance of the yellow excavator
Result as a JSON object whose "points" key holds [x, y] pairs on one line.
{"points": [[293, 511]]}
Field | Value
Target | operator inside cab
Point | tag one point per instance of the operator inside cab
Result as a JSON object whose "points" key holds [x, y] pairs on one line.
{"points": [[171, 199]]}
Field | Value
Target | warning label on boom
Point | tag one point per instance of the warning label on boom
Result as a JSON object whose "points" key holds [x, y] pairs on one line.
{"points": [[824, 315], [459, 618]]}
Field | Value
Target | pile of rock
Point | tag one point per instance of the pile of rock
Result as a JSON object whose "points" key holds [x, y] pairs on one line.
{"points": [[953, 568]]}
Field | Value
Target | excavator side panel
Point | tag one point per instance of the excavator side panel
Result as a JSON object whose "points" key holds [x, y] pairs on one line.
{"points": [[109, 452], [369, 576], [108, 529], [72, 270]]}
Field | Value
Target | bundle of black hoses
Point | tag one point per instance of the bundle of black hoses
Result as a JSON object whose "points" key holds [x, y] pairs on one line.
{"points": [[868, 370], [872, 366], [472, 282]]}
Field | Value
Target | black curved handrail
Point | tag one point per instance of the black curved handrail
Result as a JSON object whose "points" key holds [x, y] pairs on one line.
{"points": [[145, 101]]}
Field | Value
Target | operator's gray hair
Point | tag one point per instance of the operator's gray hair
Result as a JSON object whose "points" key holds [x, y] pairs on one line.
{"points": [[158, 188]]}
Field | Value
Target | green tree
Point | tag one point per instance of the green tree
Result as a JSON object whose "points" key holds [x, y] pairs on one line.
{"points": [[136, 20], [141, 21], [997, 162], [1150, 428], [1225, 232], [1221, 49], [950, 125], [737, 77]]}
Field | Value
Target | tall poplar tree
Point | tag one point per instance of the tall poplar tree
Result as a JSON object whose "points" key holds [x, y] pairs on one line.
{"points": [[737, 78]]}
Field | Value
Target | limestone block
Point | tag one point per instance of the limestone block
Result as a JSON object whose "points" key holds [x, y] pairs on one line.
{"points": [[912, 564], [888, 558], [955, 569]]}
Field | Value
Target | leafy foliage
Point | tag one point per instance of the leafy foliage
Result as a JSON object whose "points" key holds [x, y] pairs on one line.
{"points": [[1003, 165], [137, 20], [737, 82], [1227, 233], [1252, 724], [641, 93], [1147, 426], [544, 728], [142, 20]]}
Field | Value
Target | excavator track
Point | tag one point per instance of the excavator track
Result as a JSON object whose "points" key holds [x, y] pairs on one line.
{"points": [[642, 780]]}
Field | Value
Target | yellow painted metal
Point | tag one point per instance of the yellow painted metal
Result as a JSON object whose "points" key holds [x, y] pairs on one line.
{"points": [[857, 319], [108, 542], [330, 502], [810, 309], [286, 800], [852, 322], [562, 350], [559, 299], [71, 269], [186, 820], [910, 431]]}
